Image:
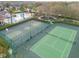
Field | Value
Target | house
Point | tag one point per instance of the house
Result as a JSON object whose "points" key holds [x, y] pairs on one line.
{"points": [[1, 19], [7, 18]]}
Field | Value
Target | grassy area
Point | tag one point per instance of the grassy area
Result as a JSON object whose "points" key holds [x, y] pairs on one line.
{"points": [[62, 19], [4, 46], [68, 20], [75, 22], [66, 17], [3, 42]]}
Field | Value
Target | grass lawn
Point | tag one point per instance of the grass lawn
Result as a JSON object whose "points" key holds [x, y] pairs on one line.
{"points": [[3, 43], [4, 46]]}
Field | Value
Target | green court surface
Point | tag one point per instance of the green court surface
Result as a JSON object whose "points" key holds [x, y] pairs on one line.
{"points": [[57, 43]]}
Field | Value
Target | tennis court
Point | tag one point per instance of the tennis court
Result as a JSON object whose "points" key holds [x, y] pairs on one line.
{"points": [[57, 43], [22, 32]]}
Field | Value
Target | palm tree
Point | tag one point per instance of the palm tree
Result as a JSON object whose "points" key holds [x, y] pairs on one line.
{"points": [[12, 11], [33, 7], [22, 8]]}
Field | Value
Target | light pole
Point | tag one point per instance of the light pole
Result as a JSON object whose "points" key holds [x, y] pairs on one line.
{"points": [[30, 30]]}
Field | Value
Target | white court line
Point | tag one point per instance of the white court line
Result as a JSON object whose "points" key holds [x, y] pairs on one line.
{"points": [[40, 54], [53, 47], [27, 28], [72, 43], [16, 33], [39, 43], [66, 47], [36, 24], [54, 44]]}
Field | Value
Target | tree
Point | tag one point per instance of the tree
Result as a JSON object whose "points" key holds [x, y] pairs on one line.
{"points": [[33, 7], [22, 8], [52, 8], [12, 11], [7, 5]]}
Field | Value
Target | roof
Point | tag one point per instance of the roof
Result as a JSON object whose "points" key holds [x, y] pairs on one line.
{"points": [[2, 12]]}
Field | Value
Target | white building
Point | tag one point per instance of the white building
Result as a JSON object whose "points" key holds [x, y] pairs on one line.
{"points": [[16, 17]]}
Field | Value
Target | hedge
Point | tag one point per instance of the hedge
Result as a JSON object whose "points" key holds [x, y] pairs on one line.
{"points": [[74, 23]]}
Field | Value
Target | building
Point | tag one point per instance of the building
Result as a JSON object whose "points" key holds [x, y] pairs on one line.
{"points": [[1, 19]]}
